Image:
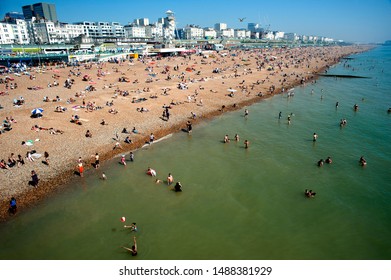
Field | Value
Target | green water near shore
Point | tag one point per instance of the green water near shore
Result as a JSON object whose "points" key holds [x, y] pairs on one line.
{"points": [[239, 203]]}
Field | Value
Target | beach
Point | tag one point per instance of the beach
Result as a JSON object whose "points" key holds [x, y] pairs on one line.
{"points": [[206, 85]]}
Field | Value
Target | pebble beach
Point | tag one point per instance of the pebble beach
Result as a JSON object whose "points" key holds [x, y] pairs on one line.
{"points": [[128, 94]]}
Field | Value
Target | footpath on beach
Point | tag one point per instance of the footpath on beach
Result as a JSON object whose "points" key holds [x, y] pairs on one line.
{"points": [[57, 118]]}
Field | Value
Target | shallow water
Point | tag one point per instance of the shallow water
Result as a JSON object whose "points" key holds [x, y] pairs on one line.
{"points": [[239, 203]]}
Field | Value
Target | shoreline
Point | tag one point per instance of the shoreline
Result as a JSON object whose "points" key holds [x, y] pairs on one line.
{"points": [[55, 181]]}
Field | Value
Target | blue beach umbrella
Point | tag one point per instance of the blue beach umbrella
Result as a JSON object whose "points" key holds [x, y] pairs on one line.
{"points": [[37, 111]]}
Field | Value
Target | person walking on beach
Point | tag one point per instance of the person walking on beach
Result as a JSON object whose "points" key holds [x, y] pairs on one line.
{"points": [[13, 207], [34, 179], [132, 250], [46, 155], [151, 138]]}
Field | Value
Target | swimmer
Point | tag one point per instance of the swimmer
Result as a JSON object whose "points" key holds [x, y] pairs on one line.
{"points": [[320, 163], [170, 179], [226, 139], [103, 176], [279, 115], [314, 137], [151, 172], [355, 107], [133, 250], [309, 193], [132, 227], [329, 160], [158, 181], [237, 137], [246, 144], [363, 161], [178, 187]]}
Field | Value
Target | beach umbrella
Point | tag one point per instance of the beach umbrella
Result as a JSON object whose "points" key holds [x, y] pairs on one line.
{"points": [[37, 111], [231, 90]]}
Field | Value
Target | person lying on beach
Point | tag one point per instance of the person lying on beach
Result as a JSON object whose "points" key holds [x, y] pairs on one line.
{"points": [[60, 109], [142, 110], [113, 111], [55, 131], [35, 88]]}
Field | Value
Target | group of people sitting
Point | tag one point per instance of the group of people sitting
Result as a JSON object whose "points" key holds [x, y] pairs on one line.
{"points": [[7, 124], [12, 161], [76, 119]]}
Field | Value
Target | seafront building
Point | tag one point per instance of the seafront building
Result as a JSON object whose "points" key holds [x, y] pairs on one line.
{"points": [[39, 25], [40, 11]]}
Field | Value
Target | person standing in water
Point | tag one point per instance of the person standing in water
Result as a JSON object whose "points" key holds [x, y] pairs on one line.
{"points": [[246, 144], [170, 179], [246, 113]]}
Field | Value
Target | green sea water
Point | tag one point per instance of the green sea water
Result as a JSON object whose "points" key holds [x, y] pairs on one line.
{"points": [[239, 203]]}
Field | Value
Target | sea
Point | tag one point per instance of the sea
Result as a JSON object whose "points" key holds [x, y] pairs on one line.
{"points": [[238, 203]]}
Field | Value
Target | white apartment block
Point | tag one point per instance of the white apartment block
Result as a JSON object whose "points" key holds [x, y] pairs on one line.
{"points": [[134, 31], [193, 32], [102, 29], [242, 33], [154, 31], [227, 33], [210, 33], [14, 33], [141, 21]]}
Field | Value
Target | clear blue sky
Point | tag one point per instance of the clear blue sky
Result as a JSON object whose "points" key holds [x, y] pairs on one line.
{"points": [[349, 20]]}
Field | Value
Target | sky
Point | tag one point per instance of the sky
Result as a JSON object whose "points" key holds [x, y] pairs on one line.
{"points": [[360, 21]]}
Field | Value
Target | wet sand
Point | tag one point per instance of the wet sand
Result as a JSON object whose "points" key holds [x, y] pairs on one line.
{"points": [[250, 75]]}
